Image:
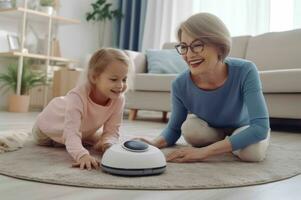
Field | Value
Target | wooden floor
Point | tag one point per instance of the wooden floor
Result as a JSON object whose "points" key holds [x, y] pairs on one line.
{"points": [[11, 188]]}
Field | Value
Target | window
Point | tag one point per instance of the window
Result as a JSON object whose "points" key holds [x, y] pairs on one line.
{"points": [[253, 17]]}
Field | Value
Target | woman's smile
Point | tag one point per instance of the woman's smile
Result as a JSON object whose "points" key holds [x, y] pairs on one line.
{"points": [[195, 62]]}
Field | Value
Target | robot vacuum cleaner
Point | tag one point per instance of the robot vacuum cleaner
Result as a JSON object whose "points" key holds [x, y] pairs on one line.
{"points": [[133, 158]]}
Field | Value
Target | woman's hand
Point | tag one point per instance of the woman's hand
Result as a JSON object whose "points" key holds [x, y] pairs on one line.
{"points": [[159, 142], [188, 154], [192, 154], [87, 162]]}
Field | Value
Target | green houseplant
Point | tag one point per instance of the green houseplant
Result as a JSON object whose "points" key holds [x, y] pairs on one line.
{"points": [[29, 80], [102, 12], [47, 6], [47, 3]]}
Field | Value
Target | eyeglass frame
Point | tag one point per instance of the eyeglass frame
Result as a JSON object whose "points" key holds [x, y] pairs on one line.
{"points": [[190, 47]]}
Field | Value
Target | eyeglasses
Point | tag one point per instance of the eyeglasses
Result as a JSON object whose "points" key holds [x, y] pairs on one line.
{"points": [[197, 46]]}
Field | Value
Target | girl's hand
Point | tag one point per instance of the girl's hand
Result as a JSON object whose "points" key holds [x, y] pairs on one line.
{"points": [[87, 162], [188, 154], [100, 147], [104, 147]]}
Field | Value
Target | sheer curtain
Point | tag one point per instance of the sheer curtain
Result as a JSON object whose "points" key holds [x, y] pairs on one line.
{"points": [[253, 17], [242, 17], [297, 13], [162, 19], [285, 15]]}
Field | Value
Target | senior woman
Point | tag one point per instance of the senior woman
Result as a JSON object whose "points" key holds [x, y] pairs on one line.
{"points": [[217, 104]]}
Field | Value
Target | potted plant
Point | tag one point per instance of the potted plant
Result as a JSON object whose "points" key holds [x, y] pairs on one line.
{"points": [[102, 12], [29, 80], [47, 6]]}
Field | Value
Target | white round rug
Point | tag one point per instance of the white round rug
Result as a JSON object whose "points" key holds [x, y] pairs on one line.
{"points": [[53, 165]]}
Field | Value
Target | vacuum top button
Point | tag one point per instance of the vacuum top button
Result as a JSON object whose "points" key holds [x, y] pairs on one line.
{"points": [[135, 145]]}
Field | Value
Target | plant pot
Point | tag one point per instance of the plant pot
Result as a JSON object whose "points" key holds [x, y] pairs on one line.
{"points": [[47, 9], [18, 103]]}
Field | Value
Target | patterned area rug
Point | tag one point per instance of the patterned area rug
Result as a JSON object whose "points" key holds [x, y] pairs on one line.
{"points": [[53, 165]]}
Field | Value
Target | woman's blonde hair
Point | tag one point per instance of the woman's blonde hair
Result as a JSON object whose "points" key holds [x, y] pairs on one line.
{"points": [[209, 29], [102, 58]]}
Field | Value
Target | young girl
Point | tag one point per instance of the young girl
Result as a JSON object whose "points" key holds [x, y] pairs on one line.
{"points": [[75, 119]]}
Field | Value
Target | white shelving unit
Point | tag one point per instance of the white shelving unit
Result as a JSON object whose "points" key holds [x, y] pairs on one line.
{"points": [[25, 14]]}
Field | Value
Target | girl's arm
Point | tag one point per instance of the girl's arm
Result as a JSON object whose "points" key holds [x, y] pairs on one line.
{"points": [[71, 133], [111, 127]]}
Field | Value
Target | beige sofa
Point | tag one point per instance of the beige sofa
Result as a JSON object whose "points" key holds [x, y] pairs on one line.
{"points": [[276, 54]]}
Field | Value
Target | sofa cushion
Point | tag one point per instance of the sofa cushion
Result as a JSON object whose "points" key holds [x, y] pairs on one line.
{"points": [[138, 61], [281, 81], [239, 46], [284, 105], [166, 61], [153, 82], [275, 50], [147, 100]]}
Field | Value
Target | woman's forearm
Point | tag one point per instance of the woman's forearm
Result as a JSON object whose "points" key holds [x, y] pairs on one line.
{"points": [[223, 146]]}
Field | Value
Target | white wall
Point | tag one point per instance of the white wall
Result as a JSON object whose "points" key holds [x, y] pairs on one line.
{"points": [[77, 41]]}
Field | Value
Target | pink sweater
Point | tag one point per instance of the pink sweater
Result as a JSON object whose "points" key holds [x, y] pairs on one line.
{"points": [[74, 118]]}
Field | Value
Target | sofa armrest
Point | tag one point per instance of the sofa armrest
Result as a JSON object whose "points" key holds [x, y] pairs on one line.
{"points": [[169, 45], [154, 82], [281, 81], [138, 60]]}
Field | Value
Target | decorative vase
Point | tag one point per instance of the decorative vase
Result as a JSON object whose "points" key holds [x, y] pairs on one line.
{"points": [[47, 9], [18, 103]]}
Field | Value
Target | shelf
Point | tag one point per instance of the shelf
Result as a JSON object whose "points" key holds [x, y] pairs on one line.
{"points": [[37, 56], [62, 59], [21, 14], [36, 16]]}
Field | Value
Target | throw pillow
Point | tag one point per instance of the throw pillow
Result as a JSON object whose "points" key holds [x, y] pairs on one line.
{"points": [[166, 61]]}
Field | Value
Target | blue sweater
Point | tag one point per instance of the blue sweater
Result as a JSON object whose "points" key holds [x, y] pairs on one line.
{"points": [[237, 103]]}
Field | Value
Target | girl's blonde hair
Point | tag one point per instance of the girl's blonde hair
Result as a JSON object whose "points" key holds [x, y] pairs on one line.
{"points": [[102, 58], [209, 29]]}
